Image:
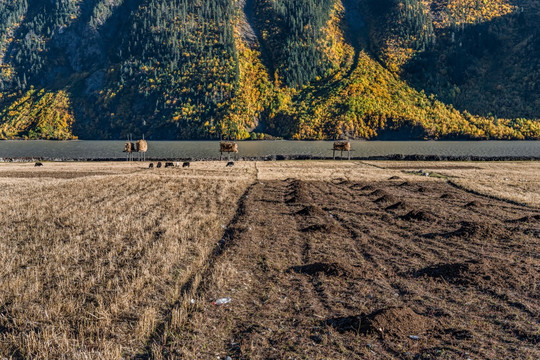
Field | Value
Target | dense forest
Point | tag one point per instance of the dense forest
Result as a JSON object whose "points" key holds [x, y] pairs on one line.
{"points": [[255, 69]]}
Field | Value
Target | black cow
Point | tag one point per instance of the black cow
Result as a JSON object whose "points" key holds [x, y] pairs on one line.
{"points": [[158, 164], [186, 164], [230, 164], [169, 164], [151, 166], [38, 164]]}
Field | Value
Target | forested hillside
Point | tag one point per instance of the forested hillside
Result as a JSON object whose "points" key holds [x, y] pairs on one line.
{"points": [[300, 69]]}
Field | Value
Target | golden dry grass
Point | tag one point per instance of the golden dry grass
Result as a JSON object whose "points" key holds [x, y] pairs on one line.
{"points": [[324, 170], [91, 264], [515, 181], [96, 256]]}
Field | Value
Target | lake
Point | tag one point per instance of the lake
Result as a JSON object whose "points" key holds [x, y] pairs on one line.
{"points": [[210, 149]]}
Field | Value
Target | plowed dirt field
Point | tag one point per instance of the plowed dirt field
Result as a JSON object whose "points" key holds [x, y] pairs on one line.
{"points": [[390, 269]]}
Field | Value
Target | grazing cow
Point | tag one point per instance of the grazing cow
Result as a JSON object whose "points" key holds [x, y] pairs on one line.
{"points": [[38, 164], [230, 164], [186, 164], [151, 166], [169, 164], [158, 164]]}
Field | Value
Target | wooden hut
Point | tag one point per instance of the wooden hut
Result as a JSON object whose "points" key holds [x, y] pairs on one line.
{"points": [[341, 146]]}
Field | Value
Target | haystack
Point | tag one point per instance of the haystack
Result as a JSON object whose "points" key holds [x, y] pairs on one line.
{"points": [[228, 147], [129, 147], [342, 146], [141, 146]]}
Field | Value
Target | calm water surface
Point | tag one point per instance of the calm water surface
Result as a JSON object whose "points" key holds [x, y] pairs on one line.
{"points": [[210, 149]]}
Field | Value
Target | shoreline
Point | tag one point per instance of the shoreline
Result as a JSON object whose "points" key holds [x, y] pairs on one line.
{"points": [[393, 157]]}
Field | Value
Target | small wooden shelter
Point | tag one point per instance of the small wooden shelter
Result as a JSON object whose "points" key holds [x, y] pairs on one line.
{"points": [[227, 147], [341, 146]]}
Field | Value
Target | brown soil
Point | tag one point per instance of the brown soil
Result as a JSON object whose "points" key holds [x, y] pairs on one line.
{"points": [[399, 322], [400, 205], [394, 321], [355, 281], [341, 181], [386, 199], [481, 273], [312, 210], [329, 269], [419, 215], [473, 204], [531, 218], [299, 193], [364, 188], [320, 227], [378, 193], [447, 196], [480, 230]]}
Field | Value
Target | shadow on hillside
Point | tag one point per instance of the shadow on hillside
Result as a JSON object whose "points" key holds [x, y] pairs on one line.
{"points": [[357, 31], [492, 68], [357, 35], [76, 56]]}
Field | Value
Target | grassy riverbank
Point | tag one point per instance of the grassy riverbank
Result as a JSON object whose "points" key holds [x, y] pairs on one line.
{"points": [[112, 260]]}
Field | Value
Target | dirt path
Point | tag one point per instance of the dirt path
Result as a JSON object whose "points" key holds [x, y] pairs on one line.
{"points": [[381, 270]]}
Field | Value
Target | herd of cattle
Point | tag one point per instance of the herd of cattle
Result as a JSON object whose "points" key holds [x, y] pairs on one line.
{"points": [[178, 164], [166, 165], [169, 164]]}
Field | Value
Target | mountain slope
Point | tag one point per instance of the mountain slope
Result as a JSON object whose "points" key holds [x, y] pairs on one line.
{"points": [[303, 69]]}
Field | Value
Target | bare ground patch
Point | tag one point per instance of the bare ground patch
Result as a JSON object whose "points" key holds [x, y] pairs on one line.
{"points": [[369, 281]]}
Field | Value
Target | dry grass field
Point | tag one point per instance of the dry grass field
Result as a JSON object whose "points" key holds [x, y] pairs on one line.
{"points": [[94, 255], [115, 260], [515, 181]]}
